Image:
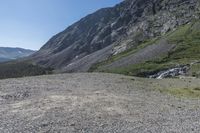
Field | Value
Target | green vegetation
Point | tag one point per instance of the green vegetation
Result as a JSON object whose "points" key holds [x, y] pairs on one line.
{"points": [[195, 70], [183, 92], [187, 40], [21, 69], [142, 69], [187, 50]]}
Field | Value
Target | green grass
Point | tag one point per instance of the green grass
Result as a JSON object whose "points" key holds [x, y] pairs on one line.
{"points": [[187, 41], [142, 69], [183, 92], [195, 70]]}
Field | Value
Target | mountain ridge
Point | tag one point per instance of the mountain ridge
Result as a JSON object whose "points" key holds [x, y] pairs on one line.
{"points": [[11, 53]]}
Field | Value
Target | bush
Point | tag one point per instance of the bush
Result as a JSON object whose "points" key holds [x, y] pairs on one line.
{"points": [[21, 69]]}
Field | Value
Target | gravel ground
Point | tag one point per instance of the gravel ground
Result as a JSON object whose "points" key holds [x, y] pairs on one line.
{"points": [[96, 103]]}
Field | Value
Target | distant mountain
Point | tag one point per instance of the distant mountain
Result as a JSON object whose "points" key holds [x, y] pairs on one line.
{"points": [[7, 53]]}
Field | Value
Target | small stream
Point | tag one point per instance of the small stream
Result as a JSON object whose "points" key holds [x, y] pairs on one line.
{"points": [[173, 72]]}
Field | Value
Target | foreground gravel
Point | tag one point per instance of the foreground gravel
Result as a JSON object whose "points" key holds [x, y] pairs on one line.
{"points": [[96, 103]]}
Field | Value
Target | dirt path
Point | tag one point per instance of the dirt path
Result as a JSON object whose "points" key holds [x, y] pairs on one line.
{"points": [[95, 103]]}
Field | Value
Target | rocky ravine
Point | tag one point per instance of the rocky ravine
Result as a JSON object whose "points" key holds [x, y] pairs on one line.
{"points": [[96, 103]]}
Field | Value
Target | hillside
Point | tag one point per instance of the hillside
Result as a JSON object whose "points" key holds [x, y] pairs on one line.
{"points": [[99, 103], [178, 47], [111, 31], [7, 54]]}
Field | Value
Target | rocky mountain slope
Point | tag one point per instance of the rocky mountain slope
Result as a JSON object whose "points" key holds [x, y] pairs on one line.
{"points": [[7, 54], [111, 31], [179, 48]]}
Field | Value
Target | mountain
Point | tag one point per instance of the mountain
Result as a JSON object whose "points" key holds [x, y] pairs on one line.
{"points": [[109, 32], [7, 54], [135, 37]]}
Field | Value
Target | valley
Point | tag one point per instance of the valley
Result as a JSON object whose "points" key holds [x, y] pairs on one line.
{"points": [[130, 68], [135, 37]]}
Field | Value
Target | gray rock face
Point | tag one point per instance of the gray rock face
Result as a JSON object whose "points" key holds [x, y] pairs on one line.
{"points": [[123, 26]]}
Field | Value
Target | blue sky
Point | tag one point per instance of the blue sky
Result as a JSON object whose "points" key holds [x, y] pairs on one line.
{"points": [[31, 23]]}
